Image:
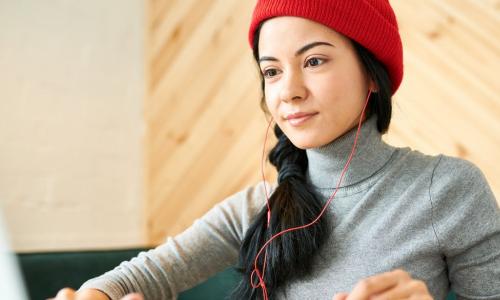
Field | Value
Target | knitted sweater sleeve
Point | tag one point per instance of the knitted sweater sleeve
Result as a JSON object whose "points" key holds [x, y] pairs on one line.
{"points": [[208, 246], [466, 220]]}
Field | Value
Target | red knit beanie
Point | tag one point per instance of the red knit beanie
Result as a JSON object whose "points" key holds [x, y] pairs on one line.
{"points": [[371, 23]]}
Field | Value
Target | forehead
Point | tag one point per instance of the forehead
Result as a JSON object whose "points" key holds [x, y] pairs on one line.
{"points": [[282, 33]]}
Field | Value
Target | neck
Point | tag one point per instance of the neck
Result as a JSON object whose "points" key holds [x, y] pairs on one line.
{"points": [[326, 163]]}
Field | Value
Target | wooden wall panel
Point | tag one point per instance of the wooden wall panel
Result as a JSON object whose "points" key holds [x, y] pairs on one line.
{"points": [[205, 128]]}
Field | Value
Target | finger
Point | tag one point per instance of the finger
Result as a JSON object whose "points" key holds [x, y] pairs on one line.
{"points": [[413, 288], [340, 296], [65, 294], [134, 296], [377, 284]]}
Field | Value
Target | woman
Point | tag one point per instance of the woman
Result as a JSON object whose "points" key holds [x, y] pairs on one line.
{"points": [[350, 217]]}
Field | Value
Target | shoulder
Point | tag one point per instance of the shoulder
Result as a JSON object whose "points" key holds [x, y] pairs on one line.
{"points": [[464, 209], [413, 166], [452, 171], [439, 167], [442, 175], [242, 207], [252, 197], [460, 185]]}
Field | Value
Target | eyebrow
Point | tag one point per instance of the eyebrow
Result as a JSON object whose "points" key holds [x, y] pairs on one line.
{"points": [[299, 52]]}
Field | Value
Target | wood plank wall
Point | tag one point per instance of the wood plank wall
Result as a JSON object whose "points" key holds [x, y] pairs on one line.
{"points": [[205, 129]]}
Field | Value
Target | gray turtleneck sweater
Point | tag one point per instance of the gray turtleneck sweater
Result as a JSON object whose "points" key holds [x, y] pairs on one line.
{"points": [[433, 216]]}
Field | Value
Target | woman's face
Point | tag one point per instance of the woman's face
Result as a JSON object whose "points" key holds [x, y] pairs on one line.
{"points": [[310, 68]]}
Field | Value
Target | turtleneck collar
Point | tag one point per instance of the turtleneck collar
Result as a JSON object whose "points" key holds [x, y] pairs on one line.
{"points": [[325, 163]]}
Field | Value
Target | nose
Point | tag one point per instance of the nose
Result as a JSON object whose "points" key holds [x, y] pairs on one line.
{"points": [[293, 87]]}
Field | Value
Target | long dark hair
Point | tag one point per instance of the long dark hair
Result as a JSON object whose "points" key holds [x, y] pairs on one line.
{"points": [[294, 202]]}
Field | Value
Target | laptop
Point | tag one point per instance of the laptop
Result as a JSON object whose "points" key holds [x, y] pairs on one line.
{"points": [[11, 284]]}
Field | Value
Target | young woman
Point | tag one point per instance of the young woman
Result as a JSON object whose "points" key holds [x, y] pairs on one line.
{"points": [[350, 217]]}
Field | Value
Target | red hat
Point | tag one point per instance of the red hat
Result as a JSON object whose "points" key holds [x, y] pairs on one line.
{"points": [[371, 23]]}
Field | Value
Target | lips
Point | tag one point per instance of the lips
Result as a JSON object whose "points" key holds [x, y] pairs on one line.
{"points": [[298, 115], [297, 119]]}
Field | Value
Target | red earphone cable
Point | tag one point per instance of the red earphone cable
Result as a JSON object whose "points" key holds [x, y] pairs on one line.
{"points": [[256, 269]]}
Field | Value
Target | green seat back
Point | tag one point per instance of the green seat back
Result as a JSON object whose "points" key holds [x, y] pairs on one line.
{"points": [[46, 273]]}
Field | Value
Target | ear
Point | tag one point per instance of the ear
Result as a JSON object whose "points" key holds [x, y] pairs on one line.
{"points": [[373, 86]]}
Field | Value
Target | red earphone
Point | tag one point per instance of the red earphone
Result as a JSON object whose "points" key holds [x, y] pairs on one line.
{"points": [[256, 269]]}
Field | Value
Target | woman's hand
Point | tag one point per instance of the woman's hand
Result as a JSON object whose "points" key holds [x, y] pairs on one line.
{"points": [[396, 284], [89, 294]]}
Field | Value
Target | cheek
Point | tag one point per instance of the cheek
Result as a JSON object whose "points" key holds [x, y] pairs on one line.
{"points": [[346, 73], [327, 90], [352, 77], [272, 101], [337, 82]]}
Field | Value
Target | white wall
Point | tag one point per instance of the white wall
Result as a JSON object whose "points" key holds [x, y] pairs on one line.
{"points": [[71, 123]]}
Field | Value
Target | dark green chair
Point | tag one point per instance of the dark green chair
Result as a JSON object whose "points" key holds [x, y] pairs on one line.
{"points": [[46, 273]]}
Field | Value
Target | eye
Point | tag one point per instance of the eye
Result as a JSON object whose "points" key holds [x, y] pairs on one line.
{"points": [[315, 61], [270, 73]]}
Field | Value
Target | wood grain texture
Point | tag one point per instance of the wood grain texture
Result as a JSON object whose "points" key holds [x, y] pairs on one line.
{"points": [[205, 129]]}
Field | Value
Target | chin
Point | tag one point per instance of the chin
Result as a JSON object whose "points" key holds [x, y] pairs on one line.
{"points": [[305, 139], [304, 144]]}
